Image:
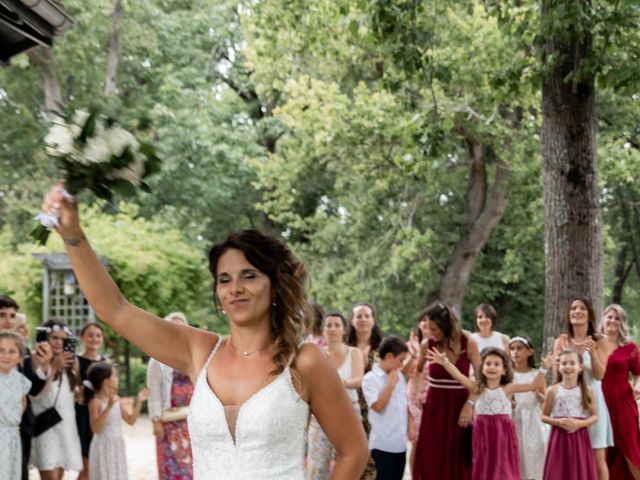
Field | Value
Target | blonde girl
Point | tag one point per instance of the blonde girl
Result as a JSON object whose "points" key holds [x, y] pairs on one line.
{"points": [[13, 400]]}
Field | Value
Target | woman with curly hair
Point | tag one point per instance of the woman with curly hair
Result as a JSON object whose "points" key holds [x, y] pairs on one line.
{"points": [[253, 389]]}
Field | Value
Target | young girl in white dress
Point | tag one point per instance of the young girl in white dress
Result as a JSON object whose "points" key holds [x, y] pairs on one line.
{"points": [[13, 390], [107, 455], [532, 433]]}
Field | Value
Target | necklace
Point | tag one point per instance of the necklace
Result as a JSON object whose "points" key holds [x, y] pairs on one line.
{"points": [[246, 353], [580, 342]]}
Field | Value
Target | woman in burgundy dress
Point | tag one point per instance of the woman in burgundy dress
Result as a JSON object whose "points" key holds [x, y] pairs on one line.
{"points": [[446, 415], [624, 458]]}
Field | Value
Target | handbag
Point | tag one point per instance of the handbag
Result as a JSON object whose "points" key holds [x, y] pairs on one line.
{"points": [[174, 414], [49, 418]]}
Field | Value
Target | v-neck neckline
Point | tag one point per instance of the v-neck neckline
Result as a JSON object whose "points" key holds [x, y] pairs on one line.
{"points": [[204, 373]]}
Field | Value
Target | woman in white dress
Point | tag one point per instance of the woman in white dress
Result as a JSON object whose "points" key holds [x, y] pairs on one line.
{"points": [[58, 448], [485, 319], [253, 389], [350, 365]]}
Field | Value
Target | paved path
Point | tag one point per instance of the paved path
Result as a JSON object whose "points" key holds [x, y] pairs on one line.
{"points": [[141, 452]]}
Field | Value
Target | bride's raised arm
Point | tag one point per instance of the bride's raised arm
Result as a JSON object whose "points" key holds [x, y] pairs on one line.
{"points": [[178, 346]]}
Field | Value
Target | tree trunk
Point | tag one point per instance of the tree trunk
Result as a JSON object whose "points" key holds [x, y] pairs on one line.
{"points": [[485, 207], [622, 270], [45, 59], [115, 49], [573, 237]]}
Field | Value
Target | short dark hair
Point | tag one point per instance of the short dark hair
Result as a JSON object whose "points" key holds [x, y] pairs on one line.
{"points": [[393, 345], [7, 302], [337, 314]]}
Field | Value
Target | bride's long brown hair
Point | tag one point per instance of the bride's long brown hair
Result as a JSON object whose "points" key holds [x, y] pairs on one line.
{"points": [[288, 276]]}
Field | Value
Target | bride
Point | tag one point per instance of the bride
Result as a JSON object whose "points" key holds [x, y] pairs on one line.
{"points": [[253, 389]]}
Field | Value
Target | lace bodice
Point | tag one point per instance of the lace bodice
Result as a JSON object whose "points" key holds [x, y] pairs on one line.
{"points": [[568, 403], [113, 425], [493, 402], [269, 434]]}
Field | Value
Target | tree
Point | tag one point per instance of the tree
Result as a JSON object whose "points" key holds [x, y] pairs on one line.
{"points": [[434, 121], [573, 236]]}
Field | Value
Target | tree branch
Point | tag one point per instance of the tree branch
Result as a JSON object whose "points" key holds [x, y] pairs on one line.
{"points": [[115, 49], [45, 59]]}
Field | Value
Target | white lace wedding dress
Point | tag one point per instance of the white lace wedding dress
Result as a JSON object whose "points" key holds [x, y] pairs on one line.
{"points": [[269, 430]]}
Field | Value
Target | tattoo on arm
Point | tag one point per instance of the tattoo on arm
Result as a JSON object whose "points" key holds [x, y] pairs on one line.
{"points": [[73, 242]]}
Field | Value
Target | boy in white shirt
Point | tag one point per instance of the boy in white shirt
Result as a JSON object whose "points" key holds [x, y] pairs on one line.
{"points": [[385, 391]]}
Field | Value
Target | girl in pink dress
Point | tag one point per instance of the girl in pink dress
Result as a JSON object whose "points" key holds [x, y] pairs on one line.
{"points": [[570, 408], [495, 445]]}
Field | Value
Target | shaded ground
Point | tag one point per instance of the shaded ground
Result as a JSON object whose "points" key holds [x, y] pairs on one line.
{"points": [[141, 452]]}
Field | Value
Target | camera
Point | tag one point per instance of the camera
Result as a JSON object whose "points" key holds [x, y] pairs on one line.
{"points": [[69, 345], [42, 334]]}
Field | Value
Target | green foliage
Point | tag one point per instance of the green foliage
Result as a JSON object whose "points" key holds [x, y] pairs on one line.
{"points": [[342, 125], [152, 263], [368, 180]]}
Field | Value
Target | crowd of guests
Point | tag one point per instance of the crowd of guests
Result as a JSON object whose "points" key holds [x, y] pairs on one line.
{"points": [[476, 406], [60, 410], [470, 405]]}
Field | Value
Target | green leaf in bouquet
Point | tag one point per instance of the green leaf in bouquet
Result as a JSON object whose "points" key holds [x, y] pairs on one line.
{"points": [[89, 126], [152, 163], [39, 234], [102, 191], [145, 187], [124, 188], [123, 160]]}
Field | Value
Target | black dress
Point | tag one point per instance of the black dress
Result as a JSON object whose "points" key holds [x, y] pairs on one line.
{"points": [[82, 410]]}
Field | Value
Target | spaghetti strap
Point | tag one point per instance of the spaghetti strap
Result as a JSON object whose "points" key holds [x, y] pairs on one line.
{"points": [[211, 355]]}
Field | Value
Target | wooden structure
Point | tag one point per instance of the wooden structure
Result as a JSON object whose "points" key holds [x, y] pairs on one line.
{"points": [[27, 23], [62, 298]]}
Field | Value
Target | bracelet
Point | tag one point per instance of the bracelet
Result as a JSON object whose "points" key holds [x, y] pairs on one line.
{"points": [[543, 371], [471, 402]]}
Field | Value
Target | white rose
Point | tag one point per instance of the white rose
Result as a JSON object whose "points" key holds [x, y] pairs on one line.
{"points": [[96, 151], [80, 118], [119, 139], [131, 173], [59, 140]]}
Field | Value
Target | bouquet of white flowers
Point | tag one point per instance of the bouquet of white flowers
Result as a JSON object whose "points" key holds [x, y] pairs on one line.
{"points": [[94, 153]]}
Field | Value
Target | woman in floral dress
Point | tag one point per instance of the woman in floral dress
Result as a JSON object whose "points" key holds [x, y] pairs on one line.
{"points": [[170, 388]]}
